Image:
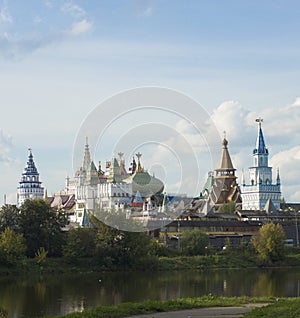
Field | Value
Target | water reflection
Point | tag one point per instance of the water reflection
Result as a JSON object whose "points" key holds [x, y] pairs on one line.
{"points": [[53, 295]]}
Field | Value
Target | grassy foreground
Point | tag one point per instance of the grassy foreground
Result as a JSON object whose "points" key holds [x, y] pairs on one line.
{"points": [[283, 308], [130, 309]]}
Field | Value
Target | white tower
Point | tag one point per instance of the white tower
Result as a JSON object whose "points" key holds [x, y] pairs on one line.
{"points": [[30, 187], [260, 188]]}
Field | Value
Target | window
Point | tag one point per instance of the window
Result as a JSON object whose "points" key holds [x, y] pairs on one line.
{"points": [[261, 160]]}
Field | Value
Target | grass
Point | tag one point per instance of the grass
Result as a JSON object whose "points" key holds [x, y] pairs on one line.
{"points": [[283, 308], [129, 309], [279, 308]]}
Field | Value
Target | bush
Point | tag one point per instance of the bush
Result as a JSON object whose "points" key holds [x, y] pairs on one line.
{"points": [[80, 244], [12, 247], [194, 243], [269, 244]]}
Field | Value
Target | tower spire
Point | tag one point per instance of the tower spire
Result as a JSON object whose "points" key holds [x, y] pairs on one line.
{"points": [[278, 177], [87, 156], [225, 160], [260, 141], [139, 166]]}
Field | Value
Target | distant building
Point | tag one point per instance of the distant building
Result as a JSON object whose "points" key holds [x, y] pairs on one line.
{"points": [[260, 189], [30, 187], [112, 189], [224, 187]]}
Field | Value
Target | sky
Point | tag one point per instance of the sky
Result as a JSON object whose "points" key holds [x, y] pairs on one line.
{"points": [[60, 60]]}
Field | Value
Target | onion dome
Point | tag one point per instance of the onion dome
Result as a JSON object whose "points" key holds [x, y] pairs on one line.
{"points": [[143, 182]]}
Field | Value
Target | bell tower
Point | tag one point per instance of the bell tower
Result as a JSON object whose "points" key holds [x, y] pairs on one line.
{"points": [[30, 187], [260, 188]]}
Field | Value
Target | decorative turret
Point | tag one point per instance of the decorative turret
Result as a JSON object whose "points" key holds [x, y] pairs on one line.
{"points": [[86, 157], [139, 166], [278, 177], [92, 177], [132, 167], [30, 187], [117, 170]]}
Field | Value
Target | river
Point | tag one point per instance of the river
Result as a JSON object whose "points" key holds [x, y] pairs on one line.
{"points": [[60, 294]]}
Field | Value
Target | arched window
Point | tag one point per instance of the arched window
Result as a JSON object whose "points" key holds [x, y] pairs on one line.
{"points": [[261, 159]]}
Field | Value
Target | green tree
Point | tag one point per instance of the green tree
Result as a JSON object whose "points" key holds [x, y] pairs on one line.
{"points": [[133, 247], [120, 248], [41, 226], [9, 217], [194, 242], [12, 247], [229, 207], [80, 243], [269, 243]]}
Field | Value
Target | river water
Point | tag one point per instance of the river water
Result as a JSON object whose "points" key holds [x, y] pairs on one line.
{"points": [[60, 294]]}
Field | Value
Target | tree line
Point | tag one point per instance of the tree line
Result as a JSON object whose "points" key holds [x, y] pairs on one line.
{"points": [[35, 230]]}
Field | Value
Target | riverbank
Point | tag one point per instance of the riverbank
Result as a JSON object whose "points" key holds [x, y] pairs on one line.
{"points": [[261, 307], [150, 307], [232, 258]]}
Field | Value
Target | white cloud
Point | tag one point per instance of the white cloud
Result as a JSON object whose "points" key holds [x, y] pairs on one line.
{"points": [[48, 3], [288, 161], [81, 27], [5, 148], [37, 19], [5, 17], [145, 8], [296, 102], [148, 11], [233, 119], [283, 124], [73, 9]]}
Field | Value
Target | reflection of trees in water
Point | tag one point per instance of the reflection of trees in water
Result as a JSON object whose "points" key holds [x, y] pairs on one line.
{"points": [[281, 283], [53, 295]]}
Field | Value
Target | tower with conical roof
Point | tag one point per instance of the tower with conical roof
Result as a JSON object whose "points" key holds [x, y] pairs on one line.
{"points": [[225, 188], [260, 188], [30, 187]]}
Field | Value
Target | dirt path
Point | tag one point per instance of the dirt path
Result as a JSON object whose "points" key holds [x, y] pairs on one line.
{"points": [[216, 312]]}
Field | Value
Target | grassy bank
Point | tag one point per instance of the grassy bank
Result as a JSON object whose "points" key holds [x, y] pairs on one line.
{"points": [[283, 308], [129, 309], [232, 258]]}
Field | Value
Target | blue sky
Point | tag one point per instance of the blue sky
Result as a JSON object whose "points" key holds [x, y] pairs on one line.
{"points": [[60, 59]]}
